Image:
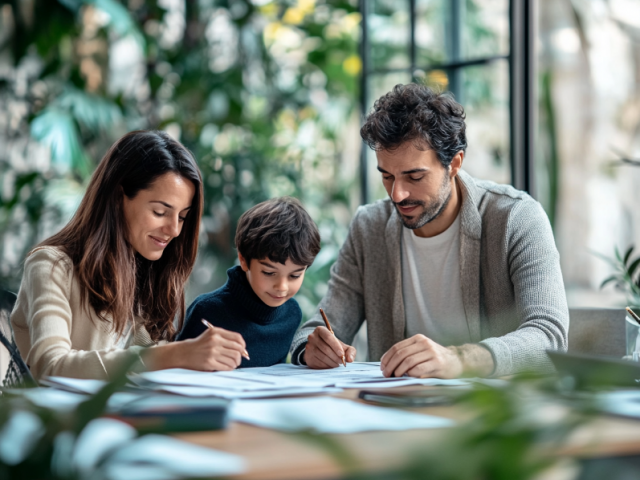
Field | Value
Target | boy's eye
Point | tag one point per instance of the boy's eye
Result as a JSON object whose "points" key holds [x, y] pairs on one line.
{"points": [[295, 276], [269, 274], [416, 179], [388, 177]]}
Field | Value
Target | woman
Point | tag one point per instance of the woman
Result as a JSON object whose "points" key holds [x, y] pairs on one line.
{"points": [[111, 282]]}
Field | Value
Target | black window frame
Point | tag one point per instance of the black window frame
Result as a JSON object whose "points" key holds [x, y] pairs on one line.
{"points": [[522, 81]]}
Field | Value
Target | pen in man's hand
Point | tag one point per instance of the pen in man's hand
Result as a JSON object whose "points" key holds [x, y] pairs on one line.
{"points": [[326, 322], [245, 354]]}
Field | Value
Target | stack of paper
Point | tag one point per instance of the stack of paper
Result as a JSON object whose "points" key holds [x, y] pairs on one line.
{"points": [[277, 380]]}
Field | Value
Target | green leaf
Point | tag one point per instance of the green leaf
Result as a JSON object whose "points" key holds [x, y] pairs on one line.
{"points": [[95, 406], [120, 20], [627, 255], [617, 253], [95, 113], [607, 259], [632, 268], [56, 129], [610, 279], [73, 5]]}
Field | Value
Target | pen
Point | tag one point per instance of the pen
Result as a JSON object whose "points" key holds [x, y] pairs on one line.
{"points": [[633, 315], [326, 322], [245, 354]]}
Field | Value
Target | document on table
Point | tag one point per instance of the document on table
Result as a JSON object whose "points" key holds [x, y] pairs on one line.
{"points": [[192, 391], [620, 402], [286, 378], [75, 385], [329, 415]]}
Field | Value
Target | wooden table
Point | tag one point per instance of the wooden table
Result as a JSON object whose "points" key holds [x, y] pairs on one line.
{"points": [[275, 455]]}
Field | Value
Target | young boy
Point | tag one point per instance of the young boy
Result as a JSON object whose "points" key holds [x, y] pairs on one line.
{"points": [[276, 242]]}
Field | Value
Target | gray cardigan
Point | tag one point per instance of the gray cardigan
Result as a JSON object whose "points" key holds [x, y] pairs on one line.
{"points": [[510, 276]]}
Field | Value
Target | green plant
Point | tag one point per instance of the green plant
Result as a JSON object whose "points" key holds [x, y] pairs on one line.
{"points": [[514, 432], [37, 442], [627, 275]]}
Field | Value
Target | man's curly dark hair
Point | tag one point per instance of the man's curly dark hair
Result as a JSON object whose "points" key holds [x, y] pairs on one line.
{"points": [[415, 113]]}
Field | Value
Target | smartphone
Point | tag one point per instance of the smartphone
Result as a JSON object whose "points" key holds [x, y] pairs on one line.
{"points": [[421, 398]]}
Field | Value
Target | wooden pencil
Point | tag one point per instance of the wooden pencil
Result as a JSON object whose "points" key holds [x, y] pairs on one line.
{"points": [[633, 315], [245, 354], [326, 322]]}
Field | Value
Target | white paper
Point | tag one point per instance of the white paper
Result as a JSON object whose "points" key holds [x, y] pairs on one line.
{"points": [[180, 376], [404, 382], [296, 375], [621, 402], [192, 391], [76, 385], [282, 376], [329, 415]]}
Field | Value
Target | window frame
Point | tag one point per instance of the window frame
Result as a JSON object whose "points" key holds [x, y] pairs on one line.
{"points": [[522, 80]]}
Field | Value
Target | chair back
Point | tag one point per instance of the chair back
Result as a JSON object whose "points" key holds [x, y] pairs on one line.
{"points": [[16, 374], [597, 331]]}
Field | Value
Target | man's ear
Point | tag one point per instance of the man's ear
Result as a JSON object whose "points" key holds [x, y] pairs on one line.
{"points": [[243, 263], [456, 164]]}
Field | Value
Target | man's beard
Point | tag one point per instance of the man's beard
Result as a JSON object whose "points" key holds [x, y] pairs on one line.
{"points": [[431, 211]]}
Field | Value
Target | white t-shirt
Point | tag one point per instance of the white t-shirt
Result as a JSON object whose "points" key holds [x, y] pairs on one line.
{"points": [[431, 286]]}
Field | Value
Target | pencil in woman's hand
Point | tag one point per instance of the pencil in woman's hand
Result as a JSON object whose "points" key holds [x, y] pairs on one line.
{"points": [[245, 354], [326, 322]]}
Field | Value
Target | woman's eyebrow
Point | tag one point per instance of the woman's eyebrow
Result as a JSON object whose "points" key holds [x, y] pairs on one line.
{"points": [[163, 203], [169, 206]]}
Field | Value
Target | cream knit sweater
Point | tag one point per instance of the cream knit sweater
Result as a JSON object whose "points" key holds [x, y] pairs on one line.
{"points": [[55, 334]]}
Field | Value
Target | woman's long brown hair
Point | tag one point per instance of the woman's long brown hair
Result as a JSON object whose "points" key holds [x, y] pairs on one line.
{"points": [[117, 282]]}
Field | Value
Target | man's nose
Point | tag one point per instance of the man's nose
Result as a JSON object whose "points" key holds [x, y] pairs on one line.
{"points": [[398, 192]]}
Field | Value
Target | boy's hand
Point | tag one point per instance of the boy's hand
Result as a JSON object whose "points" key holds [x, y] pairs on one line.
{"points": [[215, 349], [324, 350]]}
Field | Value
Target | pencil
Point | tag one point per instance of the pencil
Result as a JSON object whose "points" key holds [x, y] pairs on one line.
{"points": [[326, 322], [245, 354], [633, 315]]}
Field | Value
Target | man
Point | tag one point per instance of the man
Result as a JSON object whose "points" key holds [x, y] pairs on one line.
{"points": [[455, 276]]}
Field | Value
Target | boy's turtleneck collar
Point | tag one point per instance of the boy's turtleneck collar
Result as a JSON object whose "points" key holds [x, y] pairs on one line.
{"points": [[248, 301]]}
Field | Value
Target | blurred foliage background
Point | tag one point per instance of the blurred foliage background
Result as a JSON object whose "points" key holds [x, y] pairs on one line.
{"points": [[265, 93], [259, 91]]}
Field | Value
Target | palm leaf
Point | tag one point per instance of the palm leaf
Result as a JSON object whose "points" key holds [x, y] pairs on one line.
{"points": [[632, 268], [120, 20], [95, 113], [612, 278], [56, 129], [627, 255]]}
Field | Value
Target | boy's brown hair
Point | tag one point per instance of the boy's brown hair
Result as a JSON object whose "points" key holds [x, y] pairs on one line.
{"points": [[278, 229]]}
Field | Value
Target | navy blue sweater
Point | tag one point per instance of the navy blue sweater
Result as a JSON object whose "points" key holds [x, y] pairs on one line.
{"points": [[267, 331]]}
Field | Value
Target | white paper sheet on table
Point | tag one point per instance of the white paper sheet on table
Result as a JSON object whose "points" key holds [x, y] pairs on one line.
{"points": [[191, 391], [620, 402], [282, 376], [329, 415], [75, 385]]}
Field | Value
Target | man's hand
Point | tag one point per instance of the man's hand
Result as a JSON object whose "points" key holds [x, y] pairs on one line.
{"points": [[421, 357], [324, 350]]}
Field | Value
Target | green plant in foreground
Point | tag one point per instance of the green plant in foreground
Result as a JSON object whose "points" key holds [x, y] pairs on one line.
{"points": [[627, 275], [514, 432], [42, 443]]}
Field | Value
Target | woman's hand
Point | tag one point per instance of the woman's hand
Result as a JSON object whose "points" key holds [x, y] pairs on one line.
{"points": [[215, 349]]}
